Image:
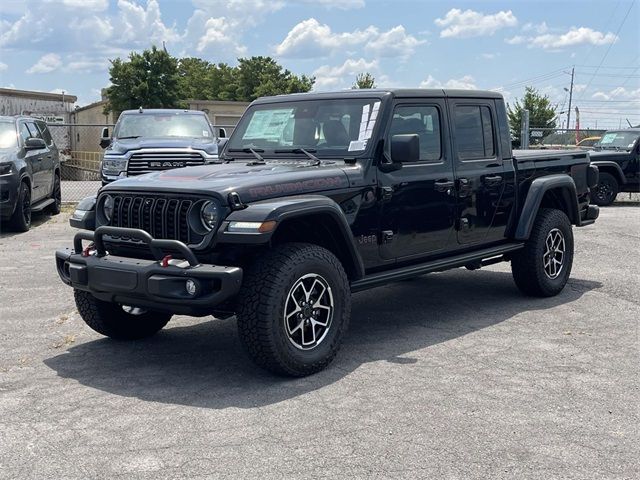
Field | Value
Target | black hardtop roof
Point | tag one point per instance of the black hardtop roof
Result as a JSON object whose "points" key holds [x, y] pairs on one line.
{"points": [[633, 129], [151, 111], [13, 118], [383, 92]]}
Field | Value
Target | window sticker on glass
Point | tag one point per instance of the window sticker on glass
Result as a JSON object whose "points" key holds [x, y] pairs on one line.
{"points": [[268, 125], [356, 145], [205, 133], [369, 116], [608, 138]]}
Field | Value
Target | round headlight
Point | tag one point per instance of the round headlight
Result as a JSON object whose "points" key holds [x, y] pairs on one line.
{"points": [[209, 215], [107, 207]]}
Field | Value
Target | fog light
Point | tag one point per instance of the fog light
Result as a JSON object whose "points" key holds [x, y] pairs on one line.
{"points": [[192, 288]]}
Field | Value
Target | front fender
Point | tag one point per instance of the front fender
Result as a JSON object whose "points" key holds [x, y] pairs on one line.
{"points": [[84, 216], [608, 164], [283, 209], [536, 193]]}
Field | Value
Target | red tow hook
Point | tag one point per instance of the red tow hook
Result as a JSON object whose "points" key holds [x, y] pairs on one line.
{"points": [[165, 261], [87, 250]]}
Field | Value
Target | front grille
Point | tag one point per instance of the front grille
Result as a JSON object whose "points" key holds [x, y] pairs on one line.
{"points": [[143, 162], [161, 217]]}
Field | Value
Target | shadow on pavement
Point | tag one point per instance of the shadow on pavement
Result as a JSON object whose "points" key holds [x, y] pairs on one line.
{"points": [[37, 219], [205, 366]]}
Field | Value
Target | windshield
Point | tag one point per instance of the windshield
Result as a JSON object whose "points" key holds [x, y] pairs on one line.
{"points": [[8, 137], [621, 140], [162, 125], [328, 127]]}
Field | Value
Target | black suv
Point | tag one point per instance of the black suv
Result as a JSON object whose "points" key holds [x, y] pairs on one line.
{"points": [[617, 155], [321, 195], [29, 171]]}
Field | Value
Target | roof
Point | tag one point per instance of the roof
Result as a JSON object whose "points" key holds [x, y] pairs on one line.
{"points": [[632, 130], [167, 111], [14, 118], [11, 92], [383, 92]]}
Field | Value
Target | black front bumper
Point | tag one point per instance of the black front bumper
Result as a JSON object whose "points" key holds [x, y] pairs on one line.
{"points": [[151, 284]]}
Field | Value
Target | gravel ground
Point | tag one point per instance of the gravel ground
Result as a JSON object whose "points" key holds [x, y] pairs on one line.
{"points": [[452, 375]]}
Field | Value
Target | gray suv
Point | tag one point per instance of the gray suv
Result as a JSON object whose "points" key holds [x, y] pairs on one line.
{"points": [[29, 171], [147, 140]]}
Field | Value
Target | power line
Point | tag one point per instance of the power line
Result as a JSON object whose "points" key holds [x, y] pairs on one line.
{"points": [[610, 45]]}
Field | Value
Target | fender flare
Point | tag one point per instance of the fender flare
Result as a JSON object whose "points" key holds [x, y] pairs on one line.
{"points": [[537, 190], [610, 164], [283, 209]]}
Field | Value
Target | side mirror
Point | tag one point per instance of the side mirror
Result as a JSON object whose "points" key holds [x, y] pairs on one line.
{"points": [[33, 143], [105, 141], [221, 143], [222, 133], [405, 148]]}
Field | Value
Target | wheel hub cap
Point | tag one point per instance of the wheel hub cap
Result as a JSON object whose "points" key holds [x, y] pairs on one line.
{"points": [[308, 311]]}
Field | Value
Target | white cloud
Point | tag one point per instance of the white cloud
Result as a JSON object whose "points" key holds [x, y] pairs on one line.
{"points": [[139, 26], [619, 93], [535, 27], [3, 66], [466, 82], [342, 75], [557, 41], [339, 4], [218, 36], [310, 38], [47, 63], [469, 23], [489, 56], [94, 5], [575, 36]]}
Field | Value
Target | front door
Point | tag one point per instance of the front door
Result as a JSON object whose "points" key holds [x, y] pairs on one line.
{"points": [[480, 173], [418, 200], [33, 159]]}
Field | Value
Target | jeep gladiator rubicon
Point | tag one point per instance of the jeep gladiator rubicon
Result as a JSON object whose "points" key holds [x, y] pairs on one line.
{"points": [[321, 195], [617, 156], [147, 140]]}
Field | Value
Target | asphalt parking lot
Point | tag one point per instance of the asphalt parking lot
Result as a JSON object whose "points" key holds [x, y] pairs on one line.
{"points": [[452, 375]]}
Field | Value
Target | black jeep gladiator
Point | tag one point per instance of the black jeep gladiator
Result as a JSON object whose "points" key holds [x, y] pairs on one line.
{"points": [[617, 156], [321, 195]]}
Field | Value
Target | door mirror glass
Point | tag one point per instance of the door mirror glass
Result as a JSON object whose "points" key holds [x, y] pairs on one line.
{"points": [[105, 141], [405, 148], [34, 144]]}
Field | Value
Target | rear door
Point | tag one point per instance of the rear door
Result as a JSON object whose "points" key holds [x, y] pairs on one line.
{"points": [[50, 156], [418, 200], [479, 170]]}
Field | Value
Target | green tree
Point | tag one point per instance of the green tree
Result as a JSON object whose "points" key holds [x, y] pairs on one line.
{"points": [[262, 76], [196, 79], [149, 79], [541, 113], [364, 80]]}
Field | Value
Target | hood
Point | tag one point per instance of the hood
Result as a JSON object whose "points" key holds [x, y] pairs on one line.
{"points": [[122, 146], [612, 155], [251, 182]]}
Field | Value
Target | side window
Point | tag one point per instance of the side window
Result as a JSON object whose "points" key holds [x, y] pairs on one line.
{"points": [[34, 130], [46, 135], [474, 132], [423, 121], [24, 132]]}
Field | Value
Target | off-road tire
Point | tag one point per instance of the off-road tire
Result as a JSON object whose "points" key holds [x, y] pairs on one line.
{"points": [[261, 308], [605, 192], [56, 207], [110, 320], [21, 218], [527, 265]]}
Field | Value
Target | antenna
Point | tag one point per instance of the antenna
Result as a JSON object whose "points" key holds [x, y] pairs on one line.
{"points": [[630, 126]]}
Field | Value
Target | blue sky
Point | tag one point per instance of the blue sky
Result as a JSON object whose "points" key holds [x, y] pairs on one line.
{"points": [[54, 45]]}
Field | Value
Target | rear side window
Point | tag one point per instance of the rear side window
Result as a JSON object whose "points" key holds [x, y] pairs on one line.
{"points": [[475, 132], [46, 135]]}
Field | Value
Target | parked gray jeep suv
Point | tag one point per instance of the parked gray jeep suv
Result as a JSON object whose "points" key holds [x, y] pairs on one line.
{"points": [[29, 171]]}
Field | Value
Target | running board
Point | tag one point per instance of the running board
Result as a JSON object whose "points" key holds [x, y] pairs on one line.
{"points": [[381, 278], [40, 206]]}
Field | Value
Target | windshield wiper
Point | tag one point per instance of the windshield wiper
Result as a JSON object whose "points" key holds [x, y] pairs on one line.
{"points": [[254, 152], [130, 136], [308, 153]]}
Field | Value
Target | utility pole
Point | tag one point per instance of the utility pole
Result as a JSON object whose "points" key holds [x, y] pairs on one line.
{"points": [[524, 130], [570, 96]]}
